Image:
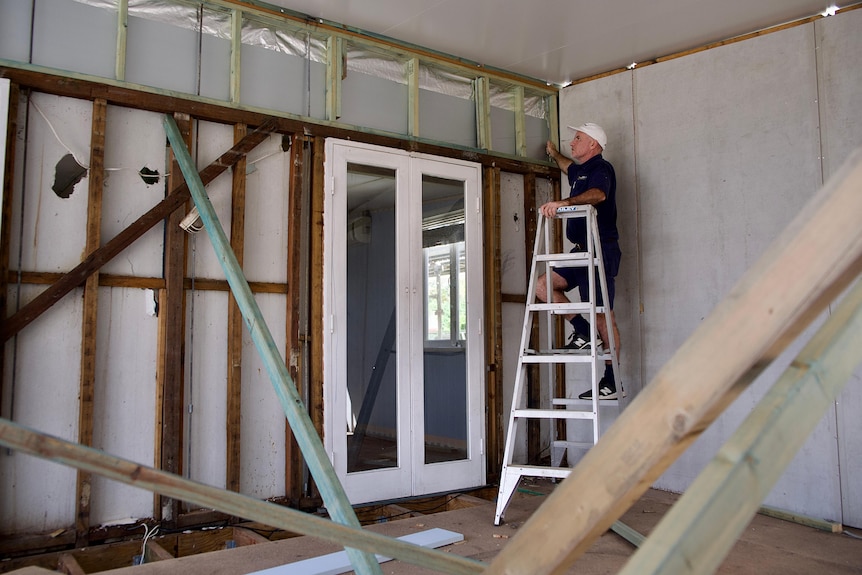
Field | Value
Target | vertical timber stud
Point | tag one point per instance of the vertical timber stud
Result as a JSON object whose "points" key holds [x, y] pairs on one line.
{"points": [[333, 493], [122, 29], [533, 371], [295, 216], [172, 331], [413, 97], [6, 213], [234, 324], [520, 122], [483, 112], [334, 74], [96, 177], [235, 54], [315, 395], [553, 119], [493, 322]]}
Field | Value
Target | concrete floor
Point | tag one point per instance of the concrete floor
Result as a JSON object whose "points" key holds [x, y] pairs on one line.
{"points": [[768, 545]]}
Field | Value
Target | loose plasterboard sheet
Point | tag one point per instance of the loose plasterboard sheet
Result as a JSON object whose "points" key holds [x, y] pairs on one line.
{"points": [[335, 563]]}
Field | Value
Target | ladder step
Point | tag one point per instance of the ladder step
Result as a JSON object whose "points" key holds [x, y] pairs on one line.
{"points": [[537, 471], [573, 444], [553, 414], [561, 355], [565, 308], [582, 402], [572, 260], [548, 357]]}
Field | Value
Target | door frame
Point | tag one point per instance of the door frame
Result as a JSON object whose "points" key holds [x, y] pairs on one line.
{"points": [[412, 476]]}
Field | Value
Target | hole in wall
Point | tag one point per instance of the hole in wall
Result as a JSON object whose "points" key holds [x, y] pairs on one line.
{"points": [[149, 176], [67, 173]]}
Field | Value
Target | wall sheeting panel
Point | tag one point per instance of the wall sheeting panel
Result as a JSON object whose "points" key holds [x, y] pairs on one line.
{"points": [[75, 36], [211, 141], [718, 181], [282, 82], [608, 102], [727, 150], [513, 224], [514, 278], [206, 385], [15, 29], [503, 131], [54, 227], [374, 102], [134, 141], [839, 49], [447, 118], [45, 399], [161, 55], [124, 398], [263, 420], [537, 135], [266, 204]]}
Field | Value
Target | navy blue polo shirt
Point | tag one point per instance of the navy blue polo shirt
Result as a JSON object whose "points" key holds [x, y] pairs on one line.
{"points": [[594, 173]]}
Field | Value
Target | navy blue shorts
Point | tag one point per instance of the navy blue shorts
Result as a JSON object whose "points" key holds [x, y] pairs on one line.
{"points": [[577, 277]]}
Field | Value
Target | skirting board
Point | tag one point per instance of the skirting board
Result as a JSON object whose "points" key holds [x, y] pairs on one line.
{"points": [[336, 563]]}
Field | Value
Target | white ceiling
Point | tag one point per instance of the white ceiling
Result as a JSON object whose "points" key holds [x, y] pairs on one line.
{"points": [[558, 41]]}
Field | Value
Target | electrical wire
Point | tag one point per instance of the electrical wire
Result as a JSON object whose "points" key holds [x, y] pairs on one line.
{"points": [[86, 165], [147, 534]]}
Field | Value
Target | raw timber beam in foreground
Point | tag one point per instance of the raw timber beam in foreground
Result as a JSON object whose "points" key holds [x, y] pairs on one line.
{"points": [[700, 529], [772, 304], [310, 444], [92, 460], [99, 257]]}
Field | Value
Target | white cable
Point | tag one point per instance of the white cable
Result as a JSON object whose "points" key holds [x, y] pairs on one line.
{"points": [[84, 165], [147, 534]]}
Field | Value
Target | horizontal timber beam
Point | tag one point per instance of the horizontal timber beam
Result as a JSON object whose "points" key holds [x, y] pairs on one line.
{"points": [[116, 93]]}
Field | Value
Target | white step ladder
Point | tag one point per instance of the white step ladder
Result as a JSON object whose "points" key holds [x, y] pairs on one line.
{"points": [[561, 408]]}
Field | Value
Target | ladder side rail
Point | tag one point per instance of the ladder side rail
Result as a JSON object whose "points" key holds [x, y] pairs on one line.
{"points": [[611, 343], [594, 253], [519, 392]]}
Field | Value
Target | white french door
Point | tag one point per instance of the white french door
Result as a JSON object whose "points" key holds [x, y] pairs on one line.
{"points": [[403, 345]]}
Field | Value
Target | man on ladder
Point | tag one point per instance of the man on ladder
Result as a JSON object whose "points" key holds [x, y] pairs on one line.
{"points": [[592, 181]]}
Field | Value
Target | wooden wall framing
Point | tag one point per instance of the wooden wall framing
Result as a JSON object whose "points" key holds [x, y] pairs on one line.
{"points": [[305, 209]]}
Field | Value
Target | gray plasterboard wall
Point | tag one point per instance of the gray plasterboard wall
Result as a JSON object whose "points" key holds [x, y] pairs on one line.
{"points": [[716, 152]]}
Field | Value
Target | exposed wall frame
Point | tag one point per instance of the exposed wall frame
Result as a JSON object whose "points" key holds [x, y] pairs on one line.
{"points": [[189, 110]]}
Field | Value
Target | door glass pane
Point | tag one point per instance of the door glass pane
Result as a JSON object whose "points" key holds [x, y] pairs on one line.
{"points": [[445, 306], [372, 438]]}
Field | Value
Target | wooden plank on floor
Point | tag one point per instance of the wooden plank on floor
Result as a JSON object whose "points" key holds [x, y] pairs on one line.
{"points": [[335, 563], [771, 305]]}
